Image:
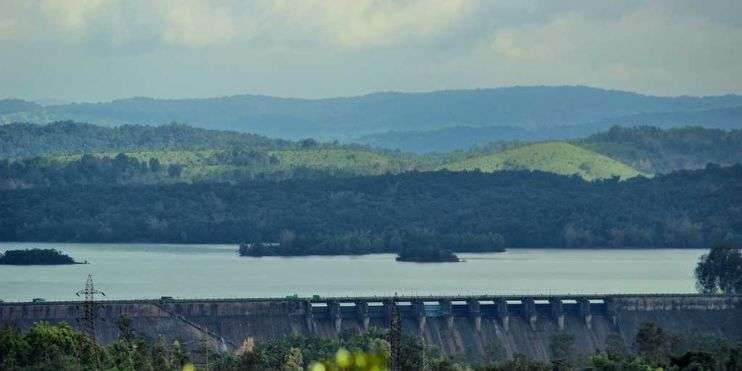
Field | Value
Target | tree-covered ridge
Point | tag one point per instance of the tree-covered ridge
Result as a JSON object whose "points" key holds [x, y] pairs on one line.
{"points": [[554, 157], [67, 137], [216, 156], [209, 165], [180, 153], [527, 209], [9, 106], [654, 150], [464, 137]]}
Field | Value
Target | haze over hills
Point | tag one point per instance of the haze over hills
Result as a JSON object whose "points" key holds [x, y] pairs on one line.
{"points": [[533, 107]]}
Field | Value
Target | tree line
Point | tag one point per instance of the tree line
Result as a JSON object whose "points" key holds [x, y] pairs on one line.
{"points": [[475, 211]]}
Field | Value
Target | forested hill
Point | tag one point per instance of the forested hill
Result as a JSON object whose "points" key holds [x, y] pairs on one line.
{"points": [[9, 106], [83, 154], [529, 107], [465, 137], [653, 150], [67, 137], [519, 208]]}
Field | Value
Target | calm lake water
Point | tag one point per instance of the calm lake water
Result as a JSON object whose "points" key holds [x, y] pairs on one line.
{"points": [[125, 271]]}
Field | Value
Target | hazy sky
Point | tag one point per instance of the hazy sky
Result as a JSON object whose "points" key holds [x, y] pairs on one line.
{"points": [[97, 50]]}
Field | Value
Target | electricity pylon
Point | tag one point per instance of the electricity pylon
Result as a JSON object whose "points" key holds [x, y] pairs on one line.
{"points": [[89, 314], [395, 337]]}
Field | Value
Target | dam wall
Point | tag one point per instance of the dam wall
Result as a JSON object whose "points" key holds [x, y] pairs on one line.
{"points": [[465, 326]]}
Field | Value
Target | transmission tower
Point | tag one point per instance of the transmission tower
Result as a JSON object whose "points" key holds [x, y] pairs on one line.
{"points": [[89, 313], [395, 337]]}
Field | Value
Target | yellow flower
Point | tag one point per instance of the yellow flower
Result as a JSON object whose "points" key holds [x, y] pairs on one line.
{"points": [[343, 358], [360, 359]]}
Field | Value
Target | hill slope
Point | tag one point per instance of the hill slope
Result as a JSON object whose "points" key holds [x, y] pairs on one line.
{"points": [[465, 137], [26, 140], [10, 106], [653, 150], [525, 107], [554, 157], [235, 164], [209, 155]]}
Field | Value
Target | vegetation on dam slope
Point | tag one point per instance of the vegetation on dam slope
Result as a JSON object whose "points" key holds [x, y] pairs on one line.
{"points": [[60, 347]]}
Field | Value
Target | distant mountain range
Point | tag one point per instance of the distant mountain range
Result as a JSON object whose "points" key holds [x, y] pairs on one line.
{"points": [[420, 122], [11, 106]]}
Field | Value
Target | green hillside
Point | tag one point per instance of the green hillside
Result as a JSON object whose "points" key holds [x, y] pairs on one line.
{"points": [[555, 157], [353, 160], [234, 164]]}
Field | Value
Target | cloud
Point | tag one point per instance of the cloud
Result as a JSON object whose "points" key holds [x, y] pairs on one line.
{"points": [[652, 46], [303, 47], [372, 23], [195, 23], [71, 16], [7, 28]]}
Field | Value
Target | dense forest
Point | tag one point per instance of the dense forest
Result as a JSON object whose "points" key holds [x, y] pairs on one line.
{"points": [[526, 209], [653, 150]]}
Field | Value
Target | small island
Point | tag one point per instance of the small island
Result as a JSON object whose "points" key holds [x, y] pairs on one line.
{"points": [[36, 257], [427, 255]]}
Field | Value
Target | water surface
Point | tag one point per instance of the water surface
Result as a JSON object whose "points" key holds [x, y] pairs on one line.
{"points": [[128, 271]]}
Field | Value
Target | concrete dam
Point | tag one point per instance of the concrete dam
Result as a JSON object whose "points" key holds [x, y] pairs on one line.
{"points": [[467, 326]]}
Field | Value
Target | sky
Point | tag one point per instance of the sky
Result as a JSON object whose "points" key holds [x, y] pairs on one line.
{"points": [[98, 50]]}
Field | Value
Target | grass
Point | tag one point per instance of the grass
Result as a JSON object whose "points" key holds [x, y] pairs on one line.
{"points": [[555, 157]]}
